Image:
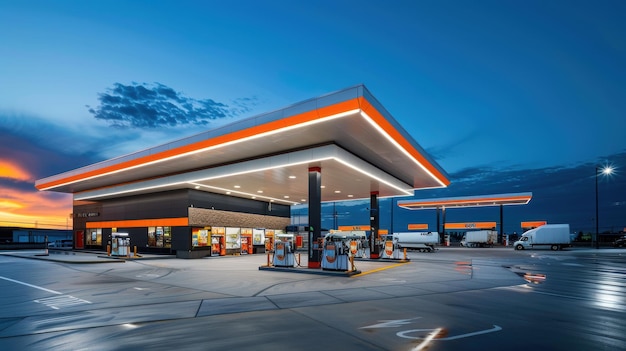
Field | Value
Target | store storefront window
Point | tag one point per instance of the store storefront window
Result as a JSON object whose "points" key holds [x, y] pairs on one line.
{"points": [[233, 241], [217, 240], [160, 237], [200, 237], [167, 237], [258, 236], [94, 236]]}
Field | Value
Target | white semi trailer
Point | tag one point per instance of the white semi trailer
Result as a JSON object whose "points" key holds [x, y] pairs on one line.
{"points": [[422, 241], [479, 238], [555, 236]]}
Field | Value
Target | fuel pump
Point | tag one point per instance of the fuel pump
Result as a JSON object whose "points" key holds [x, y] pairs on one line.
{"points": [[390, 247], [337, 252], [120, 244], [358, 243], [284, 250]]}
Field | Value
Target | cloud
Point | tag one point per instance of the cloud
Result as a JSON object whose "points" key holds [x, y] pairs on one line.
{"points": [[38, 142], [12, 170], [454, 146], [151, 106], [26, 156]]}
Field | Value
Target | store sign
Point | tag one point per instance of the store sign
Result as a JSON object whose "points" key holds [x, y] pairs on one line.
{"points": [[87, 214]]}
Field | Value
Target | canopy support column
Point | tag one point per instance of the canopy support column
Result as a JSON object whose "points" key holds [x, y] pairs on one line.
{"points": [[315, 217], [374, 225]]}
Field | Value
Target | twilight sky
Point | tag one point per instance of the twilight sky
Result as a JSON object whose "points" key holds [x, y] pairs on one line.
{"points": [[508, 96]]}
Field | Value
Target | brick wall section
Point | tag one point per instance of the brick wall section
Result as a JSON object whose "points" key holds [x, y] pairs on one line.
{"points": [[200, 217]]}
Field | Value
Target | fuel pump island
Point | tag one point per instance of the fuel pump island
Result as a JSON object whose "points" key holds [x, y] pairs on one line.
{"points": [[338, 253]]}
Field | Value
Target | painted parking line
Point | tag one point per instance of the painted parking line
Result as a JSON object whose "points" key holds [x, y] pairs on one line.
{"points": [[54, 302], [57, 302], [390, 323], [380, 269], [404, 334], [31, 285]]}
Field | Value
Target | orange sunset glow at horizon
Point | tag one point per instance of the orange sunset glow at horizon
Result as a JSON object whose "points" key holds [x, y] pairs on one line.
{"points": [[31, 208]]}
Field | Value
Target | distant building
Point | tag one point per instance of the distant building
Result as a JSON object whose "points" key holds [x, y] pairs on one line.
{"points": [[40, 235], [33, 235]]}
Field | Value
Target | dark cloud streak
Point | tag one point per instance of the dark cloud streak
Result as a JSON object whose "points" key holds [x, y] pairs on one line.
{"points": [[152, 106], [43, 155], [441, 152]]}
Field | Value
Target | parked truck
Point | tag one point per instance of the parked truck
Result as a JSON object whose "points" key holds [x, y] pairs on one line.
{"points": [[479, 238], [555, 236], [421, 241]]}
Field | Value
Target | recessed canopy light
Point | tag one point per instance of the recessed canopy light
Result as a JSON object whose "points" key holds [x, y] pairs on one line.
{"points": [[260, 191], [337, 191], [254, 197], [350, 195], [286, 196], [197, 186], [323, 186], [303, 200], [237, 186], [228, 193], [292, 177]]}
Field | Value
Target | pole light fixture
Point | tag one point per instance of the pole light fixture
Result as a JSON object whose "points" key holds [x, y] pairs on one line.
{"points": [[606, 170]]}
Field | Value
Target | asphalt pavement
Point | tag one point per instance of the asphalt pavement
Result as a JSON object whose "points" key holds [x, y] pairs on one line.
{"points": [[452, 299]]}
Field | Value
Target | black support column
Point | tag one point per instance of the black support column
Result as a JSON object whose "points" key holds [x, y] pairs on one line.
{"points": [[315, 217], [374, 225], [501, 235], [442, 235]]}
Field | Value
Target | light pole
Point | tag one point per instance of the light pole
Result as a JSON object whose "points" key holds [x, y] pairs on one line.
{"points": [[606, 170]]}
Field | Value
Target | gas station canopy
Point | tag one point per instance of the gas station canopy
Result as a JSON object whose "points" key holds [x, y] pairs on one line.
{"points": [[358, 146], [467, 201]]}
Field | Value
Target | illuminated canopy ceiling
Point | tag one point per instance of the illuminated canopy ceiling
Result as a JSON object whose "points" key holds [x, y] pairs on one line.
{"points": [[467, 201], [355, 142]]}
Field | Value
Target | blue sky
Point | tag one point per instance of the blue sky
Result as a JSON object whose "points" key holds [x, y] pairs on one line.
{"points": [[506, 95]]}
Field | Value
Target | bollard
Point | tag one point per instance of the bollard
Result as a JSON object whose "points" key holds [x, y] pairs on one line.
{"points": [[108, 250], [135, 250], [268, 259], [405, 253]]}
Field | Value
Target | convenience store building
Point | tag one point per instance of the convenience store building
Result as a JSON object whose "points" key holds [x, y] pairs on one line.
{"points": [[240, 180]]}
